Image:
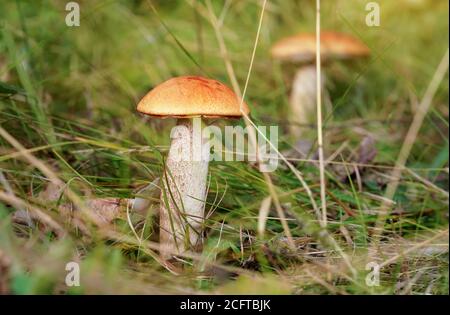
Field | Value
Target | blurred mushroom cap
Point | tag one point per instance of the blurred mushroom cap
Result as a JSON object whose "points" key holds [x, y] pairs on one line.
{"points": [[192, 96], [302, 47]]}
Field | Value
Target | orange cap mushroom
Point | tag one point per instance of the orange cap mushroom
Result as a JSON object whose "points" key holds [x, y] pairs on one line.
{"points": [[183, 190], [333, 45], [192, 96], [302, 48]]}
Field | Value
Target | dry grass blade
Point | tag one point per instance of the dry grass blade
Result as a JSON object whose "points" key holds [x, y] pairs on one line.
{"points": [[252, 138], [237, 90], [426, 182], [263, 214], [36, 212], [413, 248], [324, 283], [408, 144], [323, 188], [50, 175]]}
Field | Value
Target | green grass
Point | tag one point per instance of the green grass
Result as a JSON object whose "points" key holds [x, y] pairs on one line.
{"points": [[69, 95]]}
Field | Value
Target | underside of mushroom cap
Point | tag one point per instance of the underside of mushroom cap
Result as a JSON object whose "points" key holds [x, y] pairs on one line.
{"points": [[333, 45], [192, 96]]}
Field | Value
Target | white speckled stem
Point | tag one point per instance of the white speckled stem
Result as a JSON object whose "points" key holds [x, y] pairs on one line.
{"points": [[184, 190], [303, 99]]}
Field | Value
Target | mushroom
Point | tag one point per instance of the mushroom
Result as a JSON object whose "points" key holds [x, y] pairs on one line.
{"points": [[301, 48], [183, 185]]}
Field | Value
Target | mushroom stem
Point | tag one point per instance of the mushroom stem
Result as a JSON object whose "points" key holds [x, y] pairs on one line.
{"points": [[184, 189], [303, 99]]}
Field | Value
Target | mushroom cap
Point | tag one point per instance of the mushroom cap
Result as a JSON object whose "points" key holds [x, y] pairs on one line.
{"points": [[302, 47], [192, 96]]}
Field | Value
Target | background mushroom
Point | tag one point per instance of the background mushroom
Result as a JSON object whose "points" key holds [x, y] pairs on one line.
{"points": [[183, 193], [301, 48]]}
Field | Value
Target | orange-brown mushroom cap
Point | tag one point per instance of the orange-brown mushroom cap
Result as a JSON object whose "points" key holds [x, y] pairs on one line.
{"points": [[302, 47], [191, 96]]}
